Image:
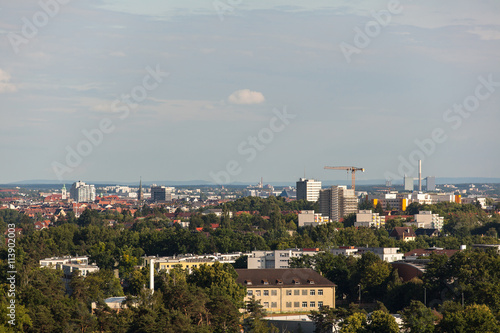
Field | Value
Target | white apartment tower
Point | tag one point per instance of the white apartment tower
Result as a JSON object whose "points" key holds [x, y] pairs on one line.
{"points": [[81, 192], [308, 189]]}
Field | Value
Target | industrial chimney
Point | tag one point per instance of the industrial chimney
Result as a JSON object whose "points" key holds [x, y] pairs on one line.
{"points": [[420, 175]]}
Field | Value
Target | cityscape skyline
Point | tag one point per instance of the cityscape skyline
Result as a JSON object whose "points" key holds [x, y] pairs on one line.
{"points": [[109, 90]]}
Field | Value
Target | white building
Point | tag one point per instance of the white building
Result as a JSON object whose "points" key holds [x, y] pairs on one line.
{"points": [[369, 219], [84, 270], [57, 262], [308, 217], [276, 258], [308, 189], [427, 220], [81, 192], [388, 254]]}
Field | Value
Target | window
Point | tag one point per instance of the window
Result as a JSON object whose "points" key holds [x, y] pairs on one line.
{"points": [[288, 292], [304, 292], [266, 305], [274, 304], [265, 282], [312, 304], [288, 304], [320, 292], [296, 292], [274, 293], [257, 293], [266, 292], [320, 304], [312, 292], [296, 304], [304, 304], [250, 292]]}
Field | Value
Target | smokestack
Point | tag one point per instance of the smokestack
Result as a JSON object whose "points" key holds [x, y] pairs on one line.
{"points": [[419, 175], [152, 275]]}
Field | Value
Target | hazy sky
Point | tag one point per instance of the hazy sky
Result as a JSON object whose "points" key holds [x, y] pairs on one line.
{"points": [[232, 90]]}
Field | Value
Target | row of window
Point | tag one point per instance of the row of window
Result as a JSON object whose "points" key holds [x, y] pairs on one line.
{"points": [[295, 304], [288, 292]]}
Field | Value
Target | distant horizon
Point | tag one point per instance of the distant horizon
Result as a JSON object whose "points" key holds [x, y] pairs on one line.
{"points": [[367, 182]]}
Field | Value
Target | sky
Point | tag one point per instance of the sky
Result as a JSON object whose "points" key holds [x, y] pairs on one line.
{"points": [[231, 91]]}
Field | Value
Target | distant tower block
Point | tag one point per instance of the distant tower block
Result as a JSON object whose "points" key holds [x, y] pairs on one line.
{"points": [[408, 183], [430, 183], [388, 183]]}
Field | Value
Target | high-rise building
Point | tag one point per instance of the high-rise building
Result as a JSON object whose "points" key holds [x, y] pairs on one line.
{"points": [[308, 189], [430, 183], [161, 193], [408, 183], [81, 192], [337, 202]]}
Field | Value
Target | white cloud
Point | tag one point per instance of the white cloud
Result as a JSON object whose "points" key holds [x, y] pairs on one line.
{"points": [[5, 85], [246, 96]]}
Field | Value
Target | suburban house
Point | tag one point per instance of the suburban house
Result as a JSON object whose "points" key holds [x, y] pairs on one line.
{"points": [[403, 233], [287, 290]]}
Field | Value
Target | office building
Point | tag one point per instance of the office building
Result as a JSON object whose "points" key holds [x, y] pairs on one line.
{"points": [[81, 192], [308, 189], [287, 290], [161, 193], [337, 202]]}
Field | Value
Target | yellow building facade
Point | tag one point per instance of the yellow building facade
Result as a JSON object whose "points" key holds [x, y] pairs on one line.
{"points": [[288, 290]]}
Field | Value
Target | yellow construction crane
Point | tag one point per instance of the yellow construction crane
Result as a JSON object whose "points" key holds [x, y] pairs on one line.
{"points": [[351, 169]]}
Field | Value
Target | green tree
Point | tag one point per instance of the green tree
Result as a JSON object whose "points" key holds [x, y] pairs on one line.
{"points": [[253, 322], [417, 318], [219, 280], [380, 321], [472, 318], [354, 323]]}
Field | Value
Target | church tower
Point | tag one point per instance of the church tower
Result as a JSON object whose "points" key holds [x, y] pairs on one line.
{"points": [[140, 194], [64, 193]]}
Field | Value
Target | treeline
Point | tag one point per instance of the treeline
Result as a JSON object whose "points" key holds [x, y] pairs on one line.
{"points": [[463, 293], [208, 300]]}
